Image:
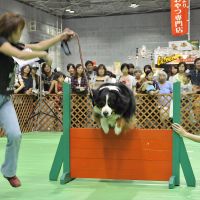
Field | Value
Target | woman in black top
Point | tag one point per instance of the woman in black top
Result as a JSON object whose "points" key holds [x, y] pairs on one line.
{"points": [[11, 27], [47, 78], [27, 80]]}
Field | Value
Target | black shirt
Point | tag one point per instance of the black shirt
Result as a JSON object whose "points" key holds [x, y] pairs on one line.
{"points": [[28, 83], [7, 72], [195, 77], [47, 81]]}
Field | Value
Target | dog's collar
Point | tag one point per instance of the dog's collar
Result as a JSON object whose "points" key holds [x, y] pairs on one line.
{"points": [[110, 87]]}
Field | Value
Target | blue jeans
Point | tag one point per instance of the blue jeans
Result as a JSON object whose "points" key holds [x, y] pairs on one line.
{"points": [[9, 122]]}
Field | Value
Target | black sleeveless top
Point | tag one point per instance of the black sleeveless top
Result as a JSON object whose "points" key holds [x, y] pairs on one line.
{"points": [[7, 71]]}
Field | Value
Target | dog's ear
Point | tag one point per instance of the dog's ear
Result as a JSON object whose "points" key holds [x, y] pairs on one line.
{"points": [[94, 95]]}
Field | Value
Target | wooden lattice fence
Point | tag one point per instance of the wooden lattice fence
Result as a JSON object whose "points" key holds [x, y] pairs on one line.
{"points": [[152, 112]]}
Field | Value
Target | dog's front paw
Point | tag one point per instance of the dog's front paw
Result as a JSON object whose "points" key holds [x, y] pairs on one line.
{"points": [[117, 130], [104, 125], [105, 130]]}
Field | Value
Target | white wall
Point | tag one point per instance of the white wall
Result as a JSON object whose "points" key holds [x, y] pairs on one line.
{"points": [[114, 38]]}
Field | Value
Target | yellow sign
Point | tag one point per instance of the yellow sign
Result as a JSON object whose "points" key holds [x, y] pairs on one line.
{"points": [[167, 59]]}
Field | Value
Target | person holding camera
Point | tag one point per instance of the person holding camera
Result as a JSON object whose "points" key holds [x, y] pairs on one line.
{"points": [[11, 27]]}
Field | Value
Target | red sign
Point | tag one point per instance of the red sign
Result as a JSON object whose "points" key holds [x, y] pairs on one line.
{"points": [[179, 17]]}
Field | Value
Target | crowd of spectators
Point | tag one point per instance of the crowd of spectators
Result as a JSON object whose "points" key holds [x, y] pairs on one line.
{"points": [[146, 81]]}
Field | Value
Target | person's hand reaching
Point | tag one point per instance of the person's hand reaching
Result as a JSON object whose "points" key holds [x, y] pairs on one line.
{"points": [[180, 130]]}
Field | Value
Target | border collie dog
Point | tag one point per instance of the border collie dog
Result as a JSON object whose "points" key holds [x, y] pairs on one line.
{"points": [[114, 107]]}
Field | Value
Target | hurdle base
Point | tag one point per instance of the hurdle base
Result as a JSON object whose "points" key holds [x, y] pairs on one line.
{"points": [[172, 182], [65, 178]]}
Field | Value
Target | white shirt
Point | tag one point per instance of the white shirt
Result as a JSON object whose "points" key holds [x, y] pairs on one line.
{"points": [[128, 80], [172, 79]]}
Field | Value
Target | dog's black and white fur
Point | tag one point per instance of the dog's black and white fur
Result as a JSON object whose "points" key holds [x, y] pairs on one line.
{"points": [[114, 101]]}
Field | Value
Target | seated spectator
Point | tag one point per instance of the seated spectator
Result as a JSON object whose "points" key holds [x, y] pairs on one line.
{"points": [[79, 82], [26, 85], [57, 83], [36, 79], [173, 71], [70, 69], [138, 79], [131, 69], [182, 67], [91, 72], [146, 68], [148, 85], [101, 76], [70, 72], [127, 79], [47, 78], [186, 86], [165, 87], [195, 76]]}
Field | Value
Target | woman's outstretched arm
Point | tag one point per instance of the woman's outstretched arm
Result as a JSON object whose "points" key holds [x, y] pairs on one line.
{"points": [[182, 132]]}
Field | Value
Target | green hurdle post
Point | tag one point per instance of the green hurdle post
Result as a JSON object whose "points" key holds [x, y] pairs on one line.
{"points": [[180, 156], [62, 156]]}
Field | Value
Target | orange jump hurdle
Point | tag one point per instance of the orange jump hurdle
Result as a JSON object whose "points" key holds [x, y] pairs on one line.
{"points": [[136, 155]]}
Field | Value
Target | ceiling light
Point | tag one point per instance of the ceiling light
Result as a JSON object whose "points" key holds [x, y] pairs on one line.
{"points": [[70, 11], [134, 5]]}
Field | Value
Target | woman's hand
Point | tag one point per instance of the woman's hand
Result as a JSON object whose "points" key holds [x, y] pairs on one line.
{"points": [[67, 34], [29, 91], [180, 130]]}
